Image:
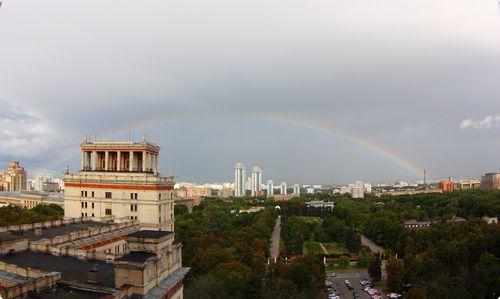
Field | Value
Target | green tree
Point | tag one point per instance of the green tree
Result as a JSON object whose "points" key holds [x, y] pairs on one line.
{"points": [[394, 269], [375, 268], [343, 262]]}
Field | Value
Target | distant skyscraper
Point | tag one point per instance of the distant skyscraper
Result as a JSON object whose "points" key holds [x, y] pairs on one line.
{"points": [[270, 188], [296, 189], [256, 181], [283, 188], [239, 179]]}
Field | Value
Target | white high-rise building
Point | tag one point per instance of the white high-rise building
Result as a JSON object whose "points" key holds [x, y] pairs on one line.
{"points": [[239, 180], [283, 188], [270, 188], [256, 181], [296, 189], [310, 190]]}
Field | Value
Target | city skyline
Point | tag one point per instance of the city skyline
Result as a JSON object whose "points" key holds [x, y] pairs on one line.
{"points": [[334, 96]]}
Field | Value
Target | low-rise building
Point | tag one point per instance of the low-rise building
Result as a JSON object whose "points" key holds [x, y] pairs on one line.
{"points": [[414, 224]]}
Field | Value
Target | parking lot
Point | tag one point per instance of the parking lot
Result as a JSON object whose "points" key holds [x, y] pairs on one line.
{"points": [[353, 277]]}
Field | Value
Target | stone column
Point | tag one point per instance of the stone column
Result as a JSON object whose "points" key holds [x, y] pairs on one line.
{"points": [[144, 154], [118, 161], [155, 163], [131, 161], [82, 161], [106, 160], [94, 160]]}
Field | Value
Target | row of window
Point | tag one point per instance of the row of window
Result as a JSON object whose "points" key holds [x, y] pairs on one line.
{"points": [[84, 205], [85, 193]]}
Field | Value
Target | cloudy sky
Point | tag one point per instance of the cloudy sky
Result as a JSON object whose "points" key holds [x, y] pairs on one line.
{"points": [[311, 91]]}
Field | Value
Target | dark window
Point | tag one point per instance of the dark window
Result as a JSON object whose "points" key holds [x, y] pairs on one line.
{"points": [[82, 215], [83, 205], [131, 207], [108, 194], [92, 193], [108, 211], [82, 193], [85, 193], [159, 196], [92, 205], [92, 215]]}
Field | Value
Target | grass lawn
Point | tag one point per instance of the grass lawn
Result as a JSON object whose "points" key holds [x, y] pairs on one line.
{"points": [[312, 247], [308, 219], [335, 248]]}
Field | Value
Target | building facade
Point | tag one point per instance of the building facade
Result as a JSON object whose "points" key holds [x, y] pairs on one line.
{"points": [[270, 188], [256, 181], [283, 188], [490, 181], [120, 181], [239, 180], [296, 189], [14, 179]]}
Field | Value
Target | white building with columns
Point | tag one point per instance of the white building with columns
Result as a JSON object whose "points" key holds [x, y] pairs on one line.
{"points": [[120, 181], [256, 181], [239, 180]]}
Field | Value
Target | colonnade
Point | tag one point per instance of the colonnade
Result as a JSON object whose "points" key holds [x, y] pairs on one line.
{"points": [[143, 161]]}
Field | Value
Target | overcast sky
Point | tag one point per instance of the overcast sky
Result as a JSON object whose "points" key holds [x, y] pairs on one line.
{"points": [[223, 81]]}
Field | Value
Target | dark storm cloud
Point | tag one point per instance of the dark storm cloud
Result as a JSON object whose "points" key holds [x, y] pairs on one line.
{"points": [[199, 74]]}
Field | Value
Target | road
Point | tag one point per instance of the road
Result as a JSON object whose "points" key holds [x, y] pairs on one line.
{"points": [[353, 277], [275, 241], [370, 244]]}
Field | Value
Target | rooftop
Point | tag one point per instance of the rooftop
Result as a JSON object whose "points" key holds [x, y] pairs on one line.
{"points": [[9, 237], [150, 234], [71, 269], [136, 257], [55, 231]]}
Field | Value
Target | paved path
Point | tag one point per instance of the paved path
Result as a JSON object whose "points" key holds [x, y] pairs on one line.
{"points": [[370, 244], [275, 241], [323, 247]]}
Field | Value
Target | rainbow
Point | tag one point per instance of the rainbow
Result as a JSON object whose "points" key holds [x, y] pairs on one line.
{"points": [[303, 122]]}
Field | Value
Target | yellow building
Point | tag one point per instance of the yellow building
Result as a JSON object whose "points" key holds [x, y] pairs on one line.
{"points": [[14, 179], [120, 181]]}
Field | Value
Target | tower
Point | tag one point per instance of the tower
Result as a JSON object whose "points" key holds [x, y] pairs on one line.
{"points": [[270, 188], [296, 189], [239, 180], [256, 181], [283, 188], [119, 181]]}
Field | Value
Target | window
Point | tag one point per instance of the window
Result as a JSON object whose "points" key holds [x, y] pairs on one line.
{"points": [[159, 208], [82, 193], [131, 207], [92, 203], [92, 215], [82, 215], [133, 195], [108, 211], [85, 193], [159, 219], [108, 194], [83, 205], [92, 195], [159, 196]]}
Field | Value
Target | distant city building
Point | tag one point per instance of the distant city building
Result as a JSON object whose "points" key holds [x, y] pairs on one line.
{"points": [[367, 187], [446, 186], [357, 190], [191, 191], [14, 179], [239, 180], [256, 175], [270, 188], [490, 181], [321, 204], [472, 184], [283, 188], [30, 199], [225, 192], [414, 224], [344, 189], [310, 190], [296, 189]]}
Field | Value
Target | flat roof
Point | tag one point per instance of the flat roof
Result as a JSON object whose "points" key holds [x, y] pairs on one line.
{"points": [[4, 237], [136, 257], [55, 231], [71, 268], [150, 234]]}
